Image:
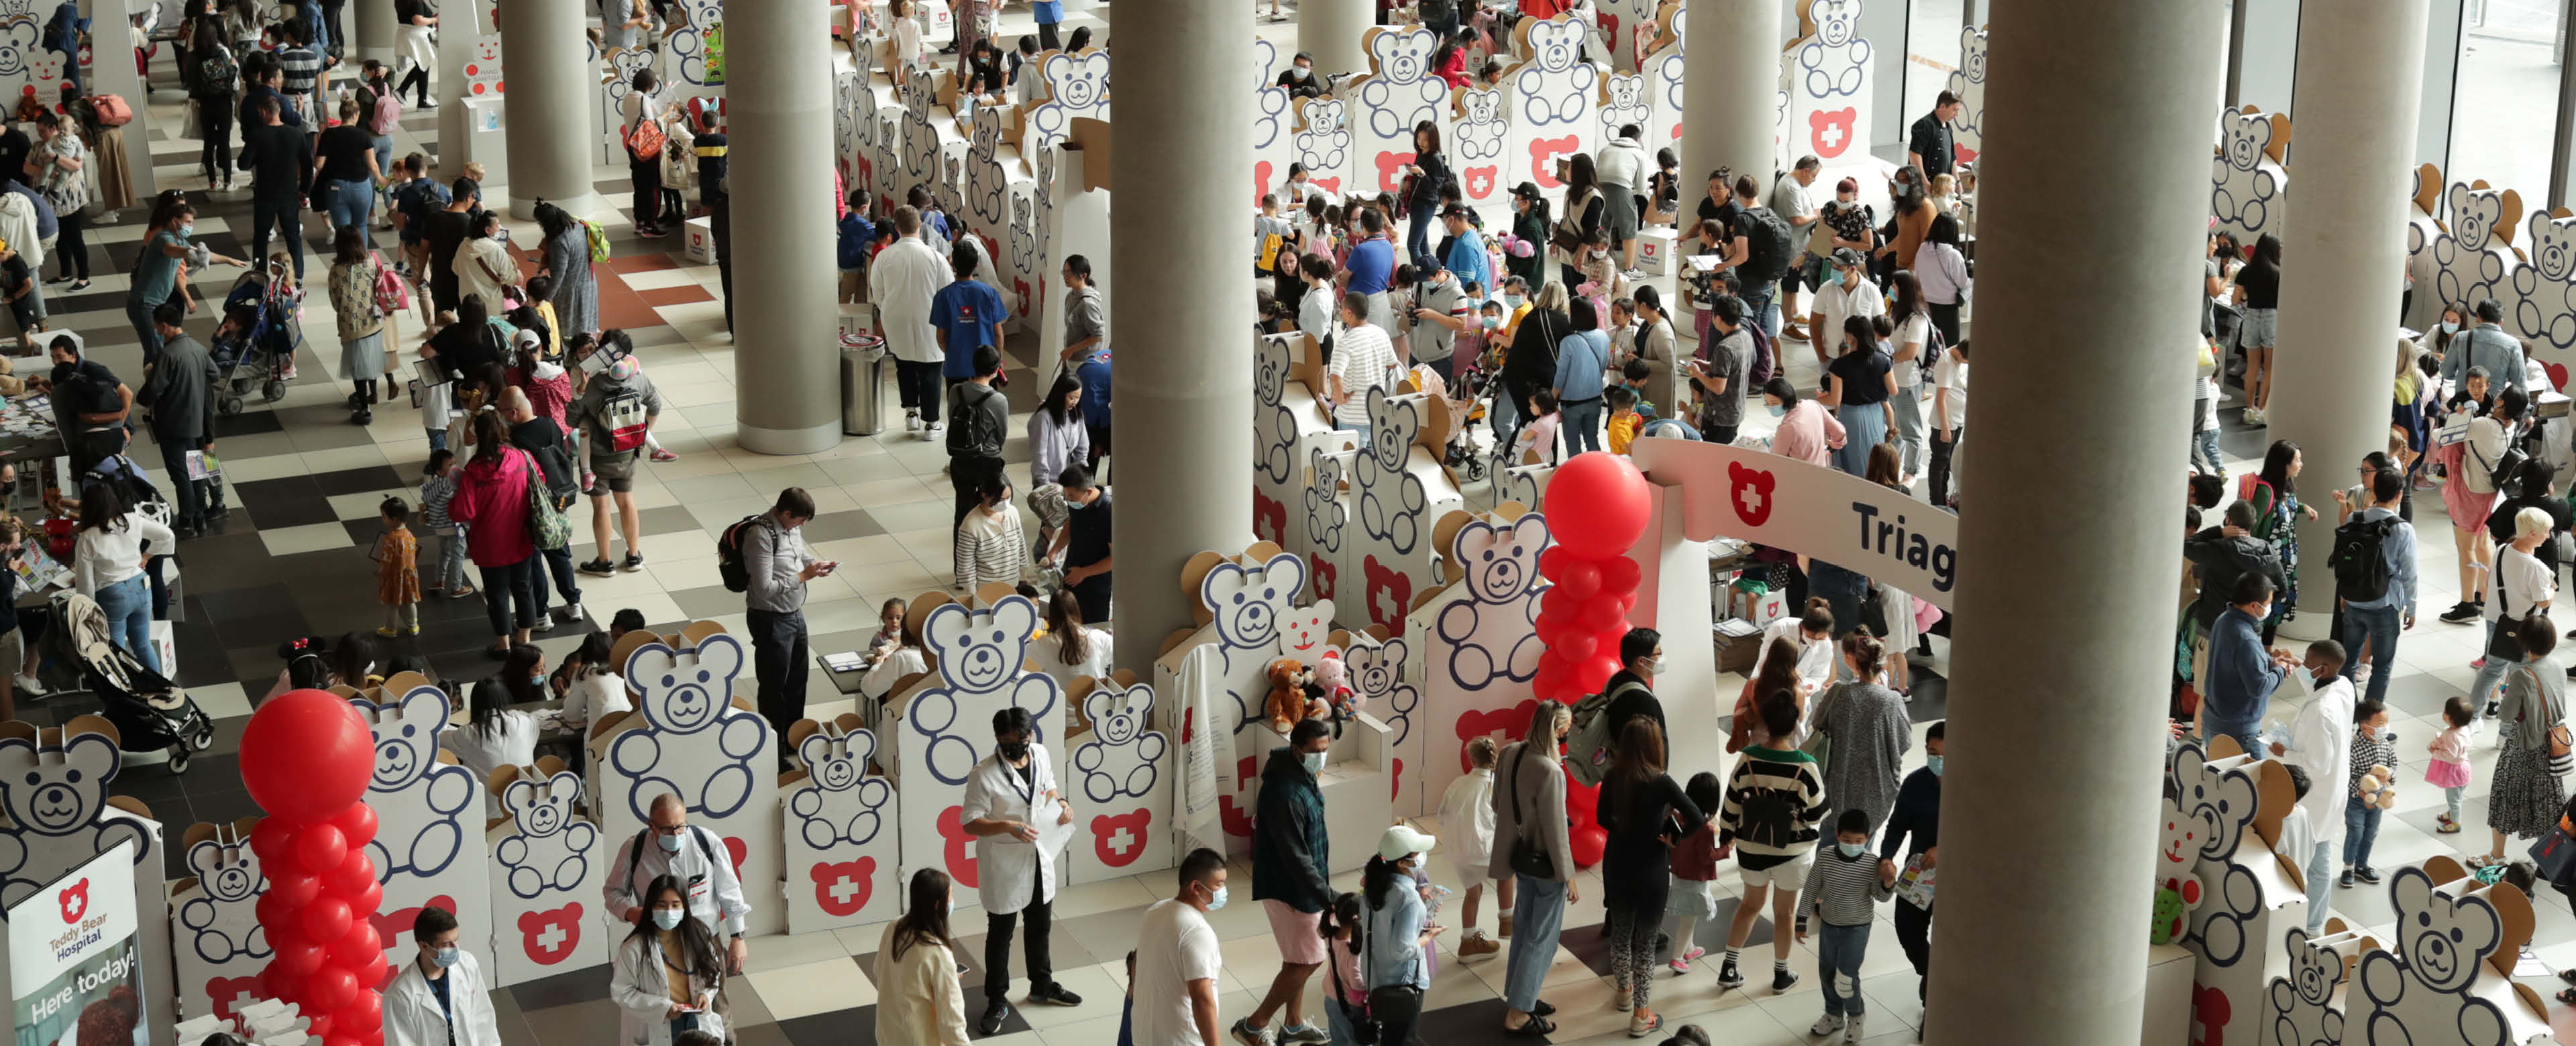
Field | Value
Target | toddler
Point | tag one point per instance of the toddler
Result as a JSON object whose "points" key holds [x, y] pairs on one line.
{"points": [[1694, 891], [1467, 822], [397, 570], [1634, 374], [1537, 441], [2449, 766], [1624, 419], [2370, 748], [437, 489], [1843, 890]]}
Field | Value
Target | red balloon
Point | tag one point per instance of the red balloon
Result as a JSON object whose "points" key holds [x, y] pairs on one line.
{"points": [[320, 848], [1579, 580], [1604, 614], [363, 1014], [357, 824], [1620, 574], [326, 919], [279, 918], [300, 958], [353, 874], [330, 990], [321, 1027], [1578, 645], [294, 889], [1549, 629], [307, 755], [1561, 609], [1597, 671], [1553, 560], [281, 983], [1587, 843], [272, 840], [1597, 505], [344, 1040], [358, 949], [366, 902]]}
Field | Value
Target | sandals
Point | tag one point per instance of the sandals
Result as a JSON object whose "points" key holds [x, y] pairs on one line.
{"points": [[2482, 860], [1540, 1027], [2566, 998], [1542, 1008]]}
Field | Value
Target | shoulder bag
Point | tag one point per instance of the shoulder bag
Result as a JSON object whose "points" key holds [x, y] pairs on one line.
{"points": [[2506, 642], [1392, 1003], [1527, 857], [2562, 745], [547, 526]]}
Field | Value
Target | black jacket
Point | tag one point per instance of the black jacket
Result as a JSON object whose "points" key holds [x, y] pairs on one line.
{"points": [[2221, 561], [1289, 845]]}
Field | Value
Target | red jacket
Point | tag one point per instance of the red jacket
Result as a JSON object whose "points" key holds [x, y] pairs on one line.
{"points": [[1455, 69], [492, 501]]}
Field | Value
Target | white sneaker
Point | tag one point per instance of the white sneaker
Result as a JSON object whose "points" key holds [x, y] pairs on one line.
{"points": [[912, 421], [935, 428], [1826, 1025], [572, 614], [1851, 1030], [545, 623], [27, 686]]}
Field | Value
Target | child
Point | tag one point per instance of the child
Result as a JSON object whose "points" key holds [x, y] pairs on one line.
{"points": [[437, 489], [1602, 280], [2449, 767], [1949, 418], [1127, 1009], [2298, 834], [397, 570], [2370, 748], [1538, 440], [1624, 419], [1467, 821], [856, 233], [889, 635], [988, 545], [1843, 890], [434, 399], [26, 298], [1623, 331], [1634, 374], [1346, 997], [1694, 891]]}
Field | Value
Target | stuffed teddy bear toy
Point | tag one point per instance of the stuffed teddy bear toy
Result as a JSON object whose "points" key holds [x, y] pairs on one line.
{"points": [[2376, 788], [1289, 699], [1332, 678]]}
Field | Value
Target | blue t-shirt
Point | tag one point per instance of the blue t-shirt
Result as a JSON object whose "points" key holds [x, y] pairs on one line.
{"points": [[967, 310], [438, 987], [156, 274], [856, 234], [417, 199], [1094, 376], [1048, 12], [1372, 264]]}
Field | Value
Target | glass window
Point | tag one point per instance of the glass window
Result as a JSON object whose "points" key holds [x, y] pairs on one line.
{"points": [[2504, 111], [1931, 55]]}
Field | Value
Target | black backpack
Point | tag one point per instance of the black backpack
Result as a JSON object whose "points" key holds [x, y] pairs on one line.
{"points": [[973, 432], [729, 565], [2359, 565], [1768, 250], [216, 75]]}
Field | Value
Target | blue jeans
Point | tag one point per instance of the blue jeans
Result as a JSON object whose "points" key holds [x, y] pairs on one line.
{"points": [[1761, 301], [437, 439], [128, 606], [1360, 427], [139, 313], [2360, 829], [350, 202], [2319, 870], [1538, 912], [557, 561], [1582, 426], [451, 561], [2244, 733], [1417, 234], [1845, 590], [2488, 676], [1839, 950], [2376, 627]]}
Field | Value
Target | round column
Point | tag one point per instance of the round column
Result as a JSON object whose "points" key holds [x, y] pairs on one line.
{"points": [[2337, 347], [2061, 648], [1330, 30], [374, 29], [1181, 151], [786, 327], [548, 102], [1731, 52]]}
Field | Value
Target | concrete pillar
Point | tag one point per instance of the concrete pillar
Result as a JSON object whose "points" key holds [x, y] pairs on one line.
{"points": [[2065, 624], [550, 106], [1181, 151], [1330, 30], [2338, 342], [787, 331], [374, 30], [1732, 53]]}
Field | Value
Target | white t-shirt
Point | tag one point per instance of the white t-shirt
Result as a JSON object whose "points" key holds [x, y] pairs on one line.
{"points": [[2522, 581], [1049, 654], [1174, 946], [1361, 358], [511, 742], [595, 697], [1950, 372], [1918, 331]]}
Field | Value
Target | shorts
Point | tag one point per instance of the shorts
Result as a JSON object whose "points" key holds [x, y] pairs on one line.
{"points": [[2257, 328], [1619, 212], [615, 468], [1300, 943], [602, 484], [1787, 875]]}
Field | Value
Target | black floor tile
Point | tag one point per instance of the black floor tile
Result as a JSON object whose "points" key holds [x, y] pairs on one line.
{"points": [[358, 481], [562, 989], [259, 616], [247, 423], [288, 501], [852, 1027]]}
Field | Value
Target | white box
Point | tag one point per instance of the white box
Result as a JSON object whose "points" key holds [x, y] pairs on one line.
{"points": [[1655, 250], [487, 137], [701, 238], [857, 318]]}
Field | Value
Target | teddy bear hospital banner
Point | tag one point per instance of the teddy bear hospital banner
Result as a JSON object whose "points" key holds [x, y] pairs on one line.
{"points": [[77, 967], [1812, 510]]}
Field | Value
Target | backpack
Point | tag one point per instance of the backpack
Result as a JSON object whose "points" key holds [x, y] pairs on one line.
{"points": [[626, 420], [2360, 569], [385, 114], [216, 74], [598, 237], [1587, 746], [108, 110], [645, 140], [393, 296], [973, 432], [1768, 251], [1757, 372], [729, 565], [635, 853], [1770, 815]]}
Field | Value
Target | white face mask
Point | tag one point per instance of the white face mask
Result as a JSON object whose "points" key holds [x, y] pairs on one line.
{"points": [[668, 918], [670, 843], [1653, 666], [1314, 762], [1300, 72], [1217, 900], [2450, 326]]}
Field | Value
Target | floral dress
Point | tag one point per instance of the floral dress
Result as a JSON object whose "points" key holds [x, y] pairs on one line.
{"points": [[397, 557], [2282, 534]]}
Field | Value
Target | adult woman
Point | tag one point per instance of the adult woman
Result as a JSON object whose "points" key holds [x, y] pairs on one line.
{"points": [[1870, 731], [2469, 489], [1807, 429], [564, 257], [1638, 803], [243, 21], [1527, 256], [639, 108], [1071, 649], [1449, 62], [58, 161], [1586, 208], [1896, 629], [344, 166], [1775, 671], [589, 685], [1909, 220], [498, 734], [214, 97], [1399, 933], [1057, 437], [2258, 292], [1586, 348], [668, 972], [1912, 345], [492, 501], [1319, 312], [1428, 172], [1530, 845], [2455, 319], [483, 264], [2524, 797], [109, 554], [1943, 273], [1858, 384], [1529, 365], [919, 999], [354, 271], [2276, 516]]}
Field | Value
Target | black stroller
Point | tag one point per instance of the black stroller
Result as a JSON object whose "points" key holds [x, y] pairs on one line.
{"points": [[151, 714]]}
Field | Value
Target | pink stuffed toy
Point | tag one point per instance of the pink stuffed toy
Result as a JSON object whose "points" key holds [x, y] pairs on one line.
{"points": [[1332, 676]]}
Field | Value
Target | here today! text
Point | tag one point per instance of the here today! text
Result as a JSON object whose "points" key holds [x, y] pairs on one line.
{"points": [[79, 987]]}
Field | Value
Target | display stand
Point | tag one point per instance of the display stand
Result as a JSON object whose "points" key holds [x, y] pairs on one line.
{"points": [[1554, 98], [692, 735], [1401, 489], [1481, 134], [2249, 190], [1273, 123], [217, 940], [2424, 306], [2474, 258], [549, 862], [67, 770], [1664, 66], [1218, 665], [1375, 663], [2240, 896], [977, 660], [1398, 93], [1478, 645], [1968, 82], [842, 850], [1119, 782]]}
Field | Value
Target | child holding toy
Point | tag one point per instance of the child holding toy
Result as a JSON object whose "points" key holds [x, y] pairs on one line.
{"points": [[397, 570], [2448, 769], [1467, 821], [437, 489], [2372, 756]]}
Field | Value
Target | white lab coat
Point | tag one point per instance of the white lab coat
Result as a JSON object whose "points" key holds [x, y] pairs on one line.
{"points": [[1009, 867], [413, 1017], [717, 898], [641, 987], [902, 282], [2321, 744]]}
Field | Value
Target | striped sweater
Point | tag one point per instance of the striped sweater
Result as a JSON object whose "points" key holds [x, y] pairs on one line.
{"points": [[1774, 801], [1844, 890], [988, 547]]}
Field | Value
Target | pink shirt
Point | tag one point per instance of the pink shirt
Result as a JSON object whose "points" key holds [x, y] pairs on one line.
{"points": [[2452, 745], [1809, 433], [492, 502]]}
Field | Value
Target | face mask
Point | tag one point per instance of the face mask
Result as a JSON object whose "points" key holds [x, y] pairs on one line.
{"points": [[1833, 277], [668, 918], [1493, 322], [1600, 252], [187, 230], [1511, 301], [670, 843], [1653, 666], [1932, 763], [1852, 849], [1300, 72], [537, 679], [1778, 410], [1013, 752], [444, 957], [2448, 326], [1314, 762], [1217, 901]]}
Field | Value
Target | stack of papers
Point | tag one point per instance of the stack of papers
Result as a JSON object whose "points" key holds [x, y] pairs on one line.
{"points": [[845, 661], [1736, 628]]}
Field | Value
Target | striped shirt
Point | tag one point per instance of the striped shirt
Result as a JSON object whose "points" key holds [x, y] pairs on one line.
{"points": [[435, 493], [301, 66], [1844, 891], [1774, 801], [989, 547]]}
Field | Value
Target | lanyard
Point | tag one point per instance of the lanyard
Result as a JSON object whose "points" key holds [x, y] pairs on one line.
{"points": [[1026, 789]]}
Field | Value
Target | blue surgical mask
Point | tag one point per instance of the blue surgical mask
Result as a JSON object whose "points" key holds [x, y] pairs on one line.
{"points": [[187, 230], [1217, 901], [1511, 301], [1833, 276], [2448, 326], [444, 957], [1314, 762], [1932, 763], [1852, 849], [537, 678], [668, 918], [670, 843], [1778, 410]]}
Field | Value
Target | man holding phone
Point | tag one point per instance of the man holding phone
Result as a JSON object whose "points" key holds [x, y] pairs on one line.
{"points": [[777, 566]]}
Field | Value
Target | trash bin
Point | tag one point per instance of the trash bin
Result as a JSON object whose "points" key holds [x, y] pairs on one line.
{"points": [[863, 368]]}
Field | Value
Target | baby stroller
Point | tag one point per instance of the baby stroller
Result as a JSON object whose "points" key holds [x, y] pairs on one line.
{"points": [[256, 345], [122, 475], [151, 714], [1478, 377]]}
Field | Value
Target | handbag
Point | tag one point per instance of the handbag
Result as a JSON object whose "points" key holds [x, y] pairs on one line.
{"points": [[1363, 1030], [547, 526], [2562, 742], [2506, 641], [1527, 858], [2555, 855]]}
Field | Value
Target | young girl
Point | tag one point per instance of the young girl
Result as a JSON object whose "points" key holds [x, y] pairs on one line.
{"points": [[1467, 820], [1344, 992], [988, 544], [2449, 767], [2361, 817], [437, 489], [1602, 281], [1694, 891], [434, 410], [397, 570], [1538, 441]]}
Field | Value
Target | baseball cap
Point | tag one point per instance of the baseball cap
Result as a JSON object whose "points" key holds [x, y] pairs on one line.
{"points": [[1403, 840], [526, 339], [1457, 210], [1847, 256]]}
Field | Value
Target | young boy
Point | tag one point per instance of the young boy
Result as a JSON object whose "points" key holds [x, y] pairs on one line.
{"points": [[26, 299], [1634, 374], [437, 490], [2370, 748], [856, 235], [1467, 818], [1624, 419], [1843, 890]]}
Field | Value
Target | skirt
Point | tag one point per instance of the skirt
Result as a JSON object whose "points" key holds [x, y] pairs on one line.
{"points": [[2525, 799], [1864, 426], [2469, 510], [2445, 774], [1692, 899], [363, 359]]}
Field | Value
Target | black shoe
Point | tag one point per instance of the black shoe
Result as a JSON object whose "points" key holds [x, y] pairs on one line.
{"points": [[995, 1012], [1783, 979], [2344, 880], [2366, 873], [633, 561], [599, 567], [1663, 943], [1054, 995], [2461, 614], [1728, 976], [1542, 1008]]}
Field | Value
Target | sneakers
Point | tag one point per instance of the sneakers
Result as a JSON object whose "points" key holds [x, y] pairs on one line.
{"points": [[1851, 1029], [600, 567], [388, 631], [1305, 1033], [660, 454], [1681, 963], [1477, 946], [1728, 976], [2462, 613], [1782, 979], [1055, 995], [1644, 1022], [1826, 1025], [2344, 880], [633, 561], [1623, 1000], [934, 429], [2479, 663], [571, 615], [1633, 275], [545, 623], [27, 686], [995, 1013], [2366, 873], [1245, 1033], [912, 421], [2254, 417]]}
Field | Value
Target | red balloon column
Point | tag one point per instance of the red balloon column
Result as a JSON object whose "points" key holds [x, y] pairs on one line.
{"points": [[1596, 509], [306, 758]]}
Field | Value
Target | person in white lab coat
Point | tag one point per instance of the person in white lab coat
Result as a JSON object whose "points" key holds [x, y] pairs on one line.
{"points": [[667, 978], [692, 856], [440, 998], [2321, 744], [918, 998], [903, 279], [1007, 795]]}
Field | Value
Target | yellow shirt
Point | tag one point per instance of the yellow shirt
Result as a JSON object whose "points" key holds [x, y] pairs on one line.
{"points": [[1623, 430]]}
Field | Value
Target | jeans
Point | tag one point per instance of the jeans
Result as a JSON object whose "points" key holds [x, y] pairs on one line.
{"points": [[2360, 829], [128, 606], [1839, 950], [71, 248], [1505, 414], [778, 659], [287, 216], [1845, 590], [1914, 934], [505, 585], [174, 457], [1538, 913], [2320, 871], [997, 944], [2204, 443], [1417, 235], [139, 313], [1761, 301], [2244, 733], [385, 153], [558, 561], [350, 202], [1942, 449], [1581, 425], [920, 387], [2377, 626], [451, 560], [2484, 688], [1908, 403], [1359, 429]]}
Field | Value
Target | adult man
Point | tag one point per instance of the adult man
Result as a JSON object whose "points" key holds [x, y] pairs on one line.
{"points": [[1463, 251], [775, 561], [414, 197], [156, 273], [1722, 380], [1177, 959], [612, 400], [716, 192], [280, 160], [2321, 744], [1371, 267], [1292, 878], [179, 387], [2224, 553], [1914, 829], [263, 77], [1632, 687], [2242, 675], [1757, 261], [1621, 166], [63, 34], [982, 419], [547, 443], [1928, 146], [905, 277], [1086, 319], [448, 229], [1362, 356], [967, 315], [1847, 292], [2371, 622], [1088, 539], [1440, 311], [90, 405], [1795, 205], [440, 998], [1011, 798], [695, 857], [2489, 346]]}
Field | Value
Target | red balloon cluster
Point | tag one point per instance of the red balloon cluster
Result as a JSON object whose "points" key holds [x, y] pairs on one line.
{"points": [[306, 758], [1597, 508]]}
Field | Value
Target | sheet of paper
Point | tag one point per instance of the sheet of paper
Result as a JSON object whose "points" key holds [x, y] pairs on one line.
{"points": [[1052, 837]]}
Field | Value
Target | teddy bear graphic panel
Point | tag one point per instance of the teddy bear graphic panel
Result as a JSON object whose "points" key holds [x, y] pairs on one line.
{"points": [[691, 737], [2249, 188], [1374, 670], [1071, 86], [1323, 144], [549, 863], [2439, 977], [2474, 258], [947, 723], [218, 943], [1243, 606], [1829, 76], [1401, 489], [842, 850], [2247, 896], [1399, 93], [54, 789], [1273, 123], [1474, 647], [1479, 152], [2424, 201], [1664, 69], [1968, 81], [1119, 783], [1554, 96], [1329, 539], [430, 849]]}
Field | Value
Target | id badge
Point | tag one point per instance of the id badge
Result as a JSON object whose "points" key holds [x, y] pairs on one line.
{"points": [[698, 887]]}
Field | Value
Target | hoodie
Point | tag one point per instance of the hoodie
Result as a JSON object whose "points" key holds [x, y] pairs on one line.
{"points": [[1289, 847], [2222, 560]]}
